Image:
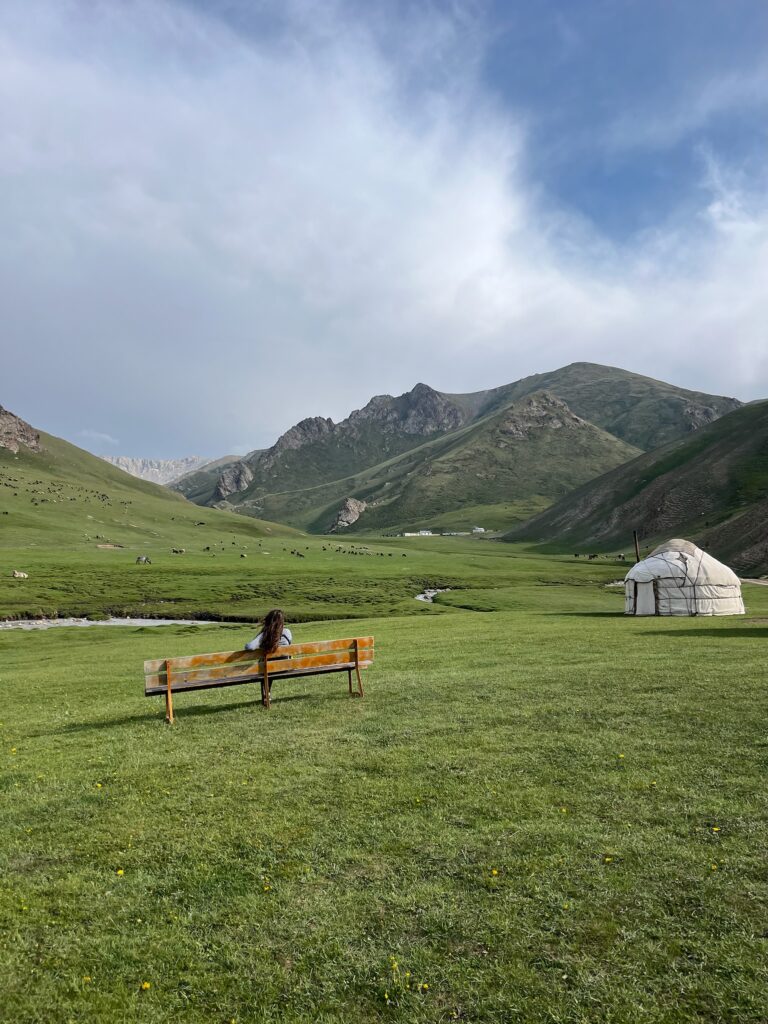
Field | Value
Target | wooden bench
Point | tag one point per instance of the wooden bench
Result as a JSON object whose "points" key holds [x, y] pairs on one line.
{"points": [[169, 676]]}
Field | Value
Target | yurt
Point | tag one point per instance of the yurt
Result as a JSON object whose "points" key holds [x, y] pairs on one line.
{"points": [[677, 578]]}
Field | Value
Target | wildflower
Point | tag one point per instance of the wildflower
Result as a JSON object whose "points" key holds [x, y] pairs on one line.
{"points": [[267, 888], [621, 755], [146, 985], [424, 986], [120, 872], [566, 906], [607, 860], [563, 810], [87, 978], [13, 750], [715, 828], [98, 785], [713, 866]]}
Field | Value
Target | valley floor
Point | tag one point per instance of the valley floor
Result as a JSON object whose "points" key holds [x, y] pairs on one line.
{"points": [[540, 812]]}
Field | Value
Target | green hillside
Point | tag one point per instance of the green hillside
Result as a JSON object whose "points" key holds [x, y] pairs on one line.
{"points": [[64, 496], [712, 487], [535, 449]]}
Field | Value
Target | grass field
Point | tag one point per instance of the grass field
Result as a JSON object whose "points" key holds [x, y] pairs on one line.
{"points": [[543, 812]]}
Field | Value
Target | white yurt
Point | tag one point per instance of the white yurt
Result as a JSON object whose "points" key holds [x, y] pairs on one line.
{"points": [[677, 578]]}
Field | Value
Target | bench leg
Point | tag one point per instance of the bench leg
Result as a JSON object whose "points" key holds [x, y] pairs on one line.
{"points": [[168, 695], [349, 673], [359, 682]]}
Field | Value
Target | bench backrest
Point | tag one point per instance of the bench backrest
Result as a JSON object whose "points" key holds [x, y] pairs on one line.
{"points": [[197, 671]]}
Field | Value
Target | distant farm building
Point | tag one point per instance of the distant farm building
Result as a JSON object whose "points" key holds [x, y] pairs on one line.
{"points": [[677, 578]]}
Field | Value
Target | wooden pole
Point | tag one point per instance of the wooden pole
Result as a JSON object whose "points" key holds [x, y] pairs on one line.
{"points": [[637, 546]]}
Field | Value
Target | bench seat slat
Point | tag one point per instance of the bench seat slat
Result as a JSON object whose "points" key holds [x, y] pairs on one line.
{"points": [[243, 657]]}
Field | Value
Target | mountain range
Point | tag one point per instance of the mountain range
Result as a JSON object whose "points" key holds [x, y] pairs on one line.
{"points": [[159, 471], [431, 459], [573, 459]]}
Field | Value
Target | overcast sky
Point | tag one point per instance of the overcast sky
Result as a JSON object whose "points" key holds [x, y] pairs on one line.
{"points": [[222, 216]]}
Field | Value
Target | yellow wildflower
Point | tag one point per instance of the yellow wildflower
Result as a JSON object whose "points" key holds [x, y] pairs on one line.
{"points": [[120, 872], [494, 871], [146, 985]]}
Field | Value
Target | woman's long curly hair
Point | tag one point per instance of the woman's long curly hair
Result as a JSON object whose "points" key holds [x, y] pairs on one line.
{"points": [[272, 630]]}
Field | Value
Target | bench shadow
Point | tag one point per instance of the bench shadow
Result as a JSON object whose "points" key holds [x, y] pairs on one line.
{"points": [[181, 713], [746, 631]]}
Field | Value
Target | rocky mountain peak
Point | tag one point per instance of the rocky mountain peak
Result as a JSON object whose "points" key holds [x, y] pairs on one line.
{"points": [[15, 432], [421, 411], [541, 410]]}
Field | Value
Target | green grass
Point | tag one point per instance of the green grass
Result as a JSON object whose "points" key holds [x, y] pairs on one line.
{"points": [[544, 813]]}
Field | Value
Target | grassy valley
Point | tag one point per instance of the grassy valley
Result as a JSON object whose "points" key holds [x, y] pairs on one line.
{"points": [[540, 811]]}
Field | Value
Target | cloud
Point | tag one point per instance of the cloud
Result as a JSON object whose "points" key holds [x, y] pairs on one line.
{"points": [[702, 102], [96, 437], [212, 232]]}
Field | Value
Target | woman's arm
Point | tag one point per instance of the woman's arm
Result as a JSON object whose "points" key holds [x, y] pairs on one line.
{"points": [[253, 645]]}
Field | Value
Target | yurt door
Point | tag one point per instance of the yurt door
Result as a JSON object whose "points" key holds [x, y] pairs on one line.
{"points": [[645, 601]]}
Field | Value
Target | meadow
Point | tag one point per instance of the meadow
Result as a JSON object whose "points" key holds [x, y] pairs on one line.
{"points": [[540, 812]]}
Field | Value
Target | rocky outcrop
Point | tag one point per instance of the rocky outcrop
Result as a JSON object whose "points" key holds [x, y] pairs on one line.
{"points": [[233, 479], [421, 411], [158, 471], [308, 431], [14, 432], [700, 415], [542, 410], [349, 513]]}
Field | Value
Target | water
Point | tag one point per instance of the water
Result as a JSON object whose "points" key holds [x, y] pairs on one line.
{"points": [[53, 623], [430, 595]]}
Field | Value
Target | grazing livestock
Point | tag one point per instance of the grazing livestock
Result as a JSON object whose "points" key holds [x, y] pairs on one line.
{"points": [[178, 551], [243, 556], [20, 575], [143, 560]]}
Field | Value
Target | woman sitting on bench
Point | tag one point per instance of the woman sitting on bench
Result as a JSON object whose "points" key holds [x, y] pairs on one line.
{"points": [[273, 634]]}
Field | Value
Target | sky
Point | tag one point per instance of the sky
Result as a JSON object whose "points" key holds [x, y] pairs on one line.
{"points": [[222, 216]]}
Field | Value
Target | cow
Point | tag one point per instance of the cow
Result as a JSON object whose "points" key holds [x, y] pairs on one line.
{"points": [[20, 575], [143, 560], [243, 556], [178, 551]]}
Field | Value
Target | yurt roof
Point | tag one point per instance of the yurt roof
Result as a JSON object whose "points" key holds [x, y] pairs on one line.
{"points": [[683, 562], [676, 544]]}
